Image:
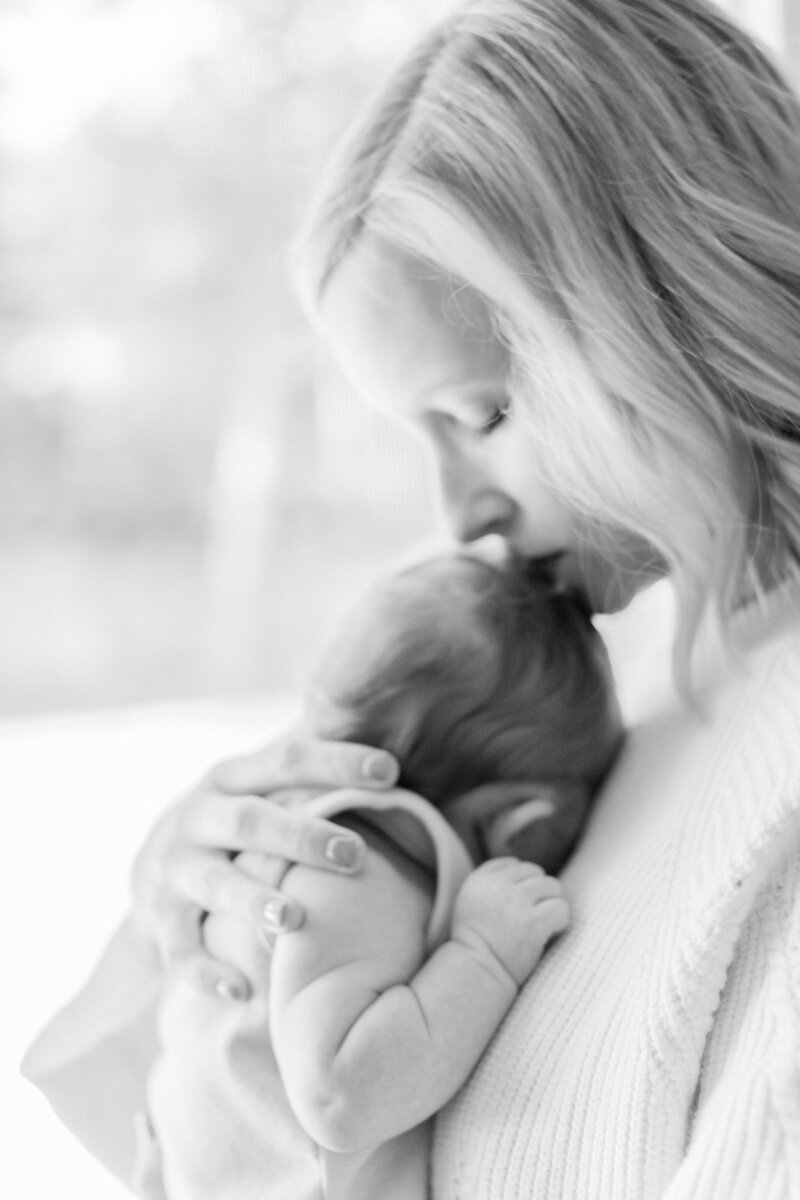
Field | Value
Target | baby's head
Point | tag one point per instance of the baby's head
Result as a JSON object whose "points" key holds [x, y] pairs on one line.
{"points": [[471, 674]]}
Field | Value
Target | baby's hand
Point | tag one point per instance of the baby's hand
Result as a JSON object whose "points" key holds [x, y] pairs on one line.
{"points": [[506, 912]]}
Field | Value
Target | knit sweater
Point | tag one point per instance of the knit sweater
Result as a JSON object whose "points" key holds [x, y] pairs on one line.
{"points": [[656, 1050]]}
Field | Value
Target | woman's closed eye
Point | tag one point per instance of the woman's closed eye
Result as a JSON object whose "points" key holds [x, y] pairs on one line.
{"points": [[495, 417]]}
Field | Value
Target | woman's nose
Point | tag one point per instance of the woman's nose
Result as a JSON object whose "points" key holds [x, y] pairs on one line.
{"points": [[481, 514], [474, 504], [475, 512]]}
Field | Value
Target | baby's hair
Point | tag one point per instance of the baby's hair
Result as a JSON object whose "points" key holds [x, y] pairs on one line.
{"points": [[477, 675], [620, 180]]}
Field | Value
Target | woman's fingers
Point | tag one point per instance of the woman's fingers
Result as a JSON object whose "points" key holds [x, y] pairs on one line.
{"points": [[146, 1180], [178, 931], [295, 759], [252, 805], [268, 869], [180, 944], [215, 884], [207, 974], [252, 823]]}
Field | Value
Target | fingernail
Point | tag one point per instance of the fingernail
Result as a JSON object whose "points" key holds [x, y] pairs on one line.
{"points": [[275, 913], [227, 991], [379, 767], [344, 852]]}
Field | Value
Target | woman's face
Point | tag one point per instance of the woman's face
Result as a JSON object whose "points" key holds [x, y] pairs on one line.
{"points": [[417, 347]]}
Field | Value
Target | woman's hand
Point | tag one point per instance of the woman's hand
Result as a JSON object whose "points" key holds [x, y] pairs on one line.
{"points": [[147, 1181], [186, 869]]}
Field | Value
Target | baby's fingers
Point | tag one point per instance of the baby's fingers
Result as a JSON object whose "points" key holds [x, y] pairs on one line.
{"points": [[541, 887], [552, 917], [511, 868]]}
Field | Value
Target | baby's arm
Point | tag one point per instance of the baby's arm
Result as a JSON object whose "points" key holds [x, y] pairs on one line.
{"points": [[370, 1038]]}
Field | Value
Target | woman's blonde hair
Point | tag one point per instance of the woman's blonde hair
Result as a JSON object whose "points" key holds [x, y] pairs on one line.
{"points": [[619, 178]]}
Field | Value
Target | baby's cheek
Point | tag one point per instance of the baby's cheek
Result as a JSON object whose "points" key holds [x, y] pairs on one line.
{"points": [[234, 940]]}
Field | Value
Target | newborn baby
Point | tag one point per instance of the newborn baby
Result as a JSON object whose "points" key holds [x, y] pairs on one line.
{"points": [[494, 693]]}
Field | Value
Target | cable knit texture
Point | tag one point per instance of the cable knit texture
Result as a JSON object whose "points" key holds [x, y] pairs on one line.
{"points": [[656, 1050]]}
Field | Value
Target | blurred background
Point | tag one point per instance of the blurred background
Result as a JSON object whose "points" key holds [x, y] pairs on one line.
{"points": [[189, 494], [184, 484]]}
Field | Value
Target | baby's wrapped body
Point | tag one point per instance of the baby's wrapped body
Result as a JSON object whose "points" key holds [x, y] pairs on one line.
{"points": [[494, 694]]}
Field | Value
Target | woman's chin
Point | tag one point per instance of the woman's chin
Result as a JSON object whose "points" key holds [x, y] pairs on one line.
{"points": [[606, 589]]}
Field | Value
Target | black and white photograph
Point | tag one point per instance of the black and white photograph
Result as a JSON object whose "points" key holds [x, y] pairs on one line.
{"points": [[400, 602]]}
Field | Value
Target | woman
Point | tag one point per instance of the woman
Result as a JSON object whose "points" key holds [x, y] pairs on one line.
{"points": [[564, 244]]}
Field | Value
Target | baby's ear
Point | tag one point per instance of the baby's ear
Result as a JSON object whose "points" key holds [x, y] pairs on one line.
{"points": [[534, 821], [553, 827]]}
